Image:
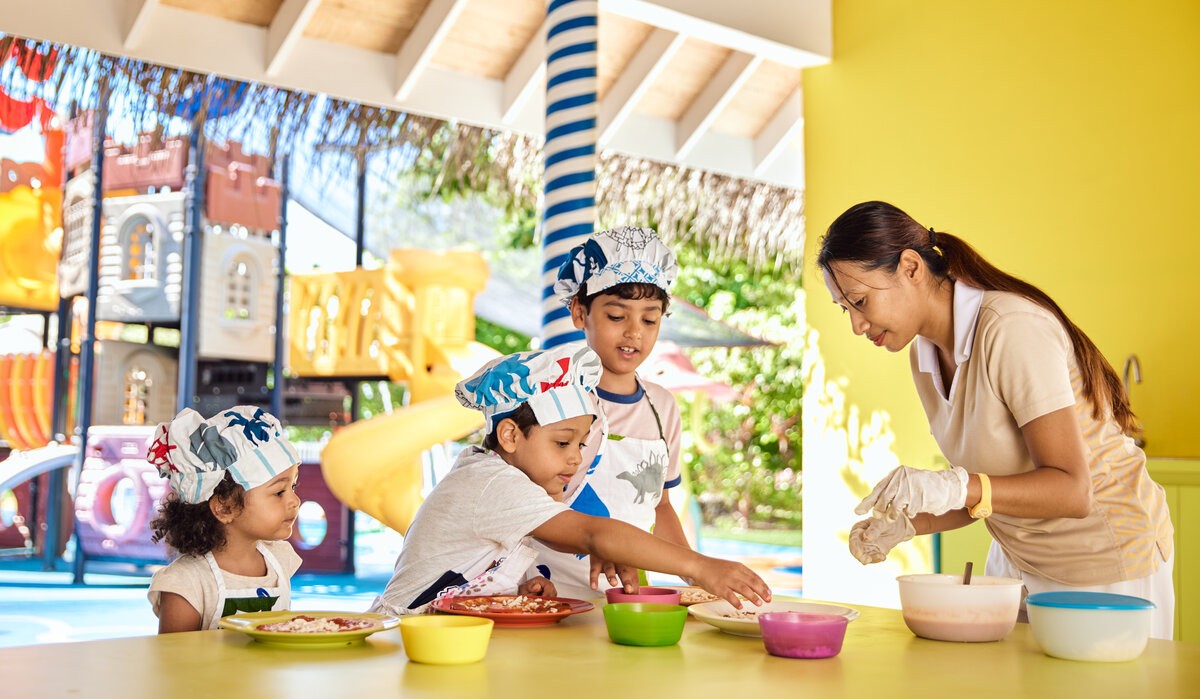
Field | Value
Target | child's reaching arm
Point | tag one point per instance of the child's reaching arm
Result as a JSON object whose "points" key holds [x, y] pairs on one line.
{"points": [[613, 540], [177, 614]]}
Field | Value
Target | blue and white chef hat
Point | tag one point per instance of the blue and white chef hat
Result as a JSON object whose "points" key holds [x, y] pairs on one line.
{"points": [[616, 256], [554, 382], [193, 453]]}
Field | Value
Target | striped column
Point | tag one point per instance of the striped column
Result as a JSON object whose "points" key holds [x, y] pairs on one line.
{"points": [[570, 151]]}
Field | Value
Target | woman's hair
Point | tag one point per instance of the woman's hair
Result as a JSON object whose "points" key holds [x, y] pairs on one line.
{"points": [[194, 529], [524, 418], [874, 233], [630, 291]]}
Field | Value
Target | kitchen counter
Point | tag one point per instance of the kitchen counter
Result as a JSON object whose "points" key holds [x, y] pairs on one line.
{"points": [[880, 658]]}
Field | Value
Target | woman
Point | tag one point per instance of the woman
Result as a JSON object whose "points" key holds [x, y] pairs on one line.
{"points": [[1035, 422]]}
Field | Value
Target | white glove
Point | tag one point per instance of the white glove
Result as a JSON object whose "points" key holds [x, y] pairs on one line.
{"points": [[872, 538], [908, 491]]}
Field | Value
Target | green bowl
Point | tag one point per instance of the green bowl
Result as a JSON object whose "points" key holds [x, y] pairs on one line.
{"points": [[644, 624]]}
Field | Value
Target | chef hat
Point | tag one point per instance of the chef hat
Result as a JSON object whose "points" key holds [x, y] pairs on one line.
{"points": [[617, 256], [193, 453], [555, 383]]}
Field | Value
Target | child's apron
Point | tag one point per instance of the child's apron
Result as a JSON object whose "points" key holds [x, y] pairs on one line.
{"points": [[257, 599]]}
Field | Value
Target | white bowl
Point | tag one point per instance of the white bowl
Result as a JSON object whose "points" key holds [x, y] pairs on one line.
{"points": [[1095, 626], [940, 607]]}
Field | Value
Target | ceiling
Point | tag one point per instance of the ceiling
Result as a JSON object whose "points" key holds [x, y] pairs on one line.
{"points": [[705, 83]]}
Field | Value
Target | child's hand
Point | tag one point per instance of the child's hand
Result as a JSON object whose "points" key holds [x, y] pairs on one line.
{"points": [[727, 580], [617, 574], [537, 587]]}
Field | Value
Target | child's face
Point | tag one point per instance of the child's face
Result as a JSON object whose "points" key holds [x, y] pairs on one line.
{"points": [[622, 332], [269, 511], [549, 454]]}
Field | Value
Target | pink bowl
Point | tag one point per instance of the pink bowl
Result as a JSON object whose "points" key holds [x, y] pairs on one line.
{"points": [[652, 595], [802, 634]]}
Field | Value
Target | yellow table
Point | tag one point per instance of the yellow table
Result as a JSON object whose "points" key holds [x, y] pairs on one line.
{"points": [[880, 658]]}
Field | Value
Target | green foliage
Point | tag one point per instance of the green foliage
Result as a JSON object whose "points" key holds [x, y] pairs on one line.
{"points": [[744, 457]]}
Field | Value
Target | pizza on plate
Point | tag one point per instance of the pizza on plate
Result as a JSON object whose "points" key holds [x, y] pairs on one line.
{"points": [[509, 604], [310, 624]]}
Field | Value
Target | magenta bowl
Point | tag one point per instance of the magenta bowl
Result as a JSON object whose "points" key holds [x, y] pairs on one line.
{"points": [[651, 595], [802, 634]]}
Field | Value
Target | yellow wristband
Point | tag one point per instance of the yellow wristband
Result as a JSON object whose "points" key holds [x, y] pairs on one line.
{"points": [[983, 508]]}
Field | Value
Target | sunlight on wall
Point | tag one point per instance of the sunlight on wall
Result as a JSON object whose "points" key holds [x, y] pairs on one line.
{"points": [[845, 454]]}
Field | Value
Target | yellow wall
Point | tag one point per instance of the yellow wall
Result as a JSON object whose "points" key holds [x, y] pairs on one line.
{"points": [[1062, 139]]}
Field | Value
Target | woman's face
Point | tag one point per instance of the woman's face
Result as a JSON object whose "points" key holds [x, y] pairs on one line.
{"points": [[883, 306]]}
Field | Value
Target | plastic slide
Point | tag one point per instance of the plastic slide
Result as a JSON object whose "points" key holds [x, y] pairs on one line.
{"points": [[22, 466], [374, 465]]}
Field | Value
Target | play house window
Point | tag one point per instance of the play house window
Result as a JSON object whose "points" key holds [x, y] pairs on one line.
{"points": [[137, 392], [77, 235], [239, 286], [137, 248]]}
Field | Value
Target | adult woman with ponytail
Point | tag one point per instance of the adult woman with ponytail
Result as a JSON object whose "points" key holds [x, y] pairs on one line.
{"points": [[1033, 419]]}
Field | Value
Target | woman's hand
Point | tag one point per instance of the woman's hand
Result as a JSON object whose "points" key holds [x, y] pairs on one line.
{"points": [[907, 491], [872, 538]]}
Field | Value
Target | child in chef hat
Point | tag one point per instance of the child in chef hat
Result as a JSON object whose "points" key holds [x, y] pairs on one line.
{"points": [[617, 287], [229, 514], [472, 534]]}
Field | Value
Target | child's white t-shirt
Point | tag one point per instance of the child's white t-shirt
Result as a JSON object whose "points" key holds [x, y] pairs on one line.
{"points": [[191, 578], [477, 515]]}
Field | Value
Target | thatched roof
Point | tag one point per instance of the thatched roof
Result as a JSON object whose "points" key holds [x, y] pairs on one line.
{"points": [[760, 222]]}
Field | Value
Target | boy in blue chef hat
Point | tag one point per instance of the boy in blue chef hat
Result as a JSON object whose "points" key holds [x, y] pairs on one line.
{"points": [[472, 535], [617, 286]]}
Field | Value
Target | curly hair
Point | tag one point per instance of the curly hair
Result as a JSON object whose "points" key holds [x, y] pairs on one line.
{"points": [[194, 529]]}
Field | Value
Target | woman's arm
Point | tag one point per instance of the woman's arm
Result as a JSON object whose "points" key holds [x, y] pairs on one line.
{"points": [[622, 543], [177, 614], [1060, 484]]}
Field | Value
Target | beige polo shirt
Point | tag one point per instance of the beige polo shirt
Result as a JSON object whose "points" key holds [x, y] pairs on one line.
{"points": [[1015, 363]]}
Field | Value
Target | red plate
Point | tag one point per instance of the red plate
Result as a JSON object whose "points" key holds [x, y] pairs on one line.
{"points": [[452, 605]]}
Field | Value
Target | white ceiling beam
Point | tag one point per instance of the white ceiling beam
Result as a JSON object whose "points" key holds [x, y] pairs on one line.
{"points": [[423, 43], [525, 77], [137, 18], [784, 126], [286, 29], [635, 81], [717, 93], [796, 33]]}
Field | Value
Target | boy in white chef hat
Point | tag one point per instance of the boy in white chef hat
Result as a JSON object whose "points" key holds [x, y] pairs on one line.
{"points": [[617, 285], [471, 536], [229, 514]]}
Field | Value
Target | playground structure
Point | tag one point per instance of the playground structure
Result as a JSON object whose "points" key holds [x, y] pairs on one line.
{"points": [[116, 237]]}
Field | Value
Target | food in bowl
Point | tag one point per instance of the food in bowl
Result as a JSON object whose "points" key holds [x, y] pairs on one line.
{"points": [[654, 595], [310, 624], [445, 639], [802, 634], [1092, 626], [644, 624], [940, 607]]}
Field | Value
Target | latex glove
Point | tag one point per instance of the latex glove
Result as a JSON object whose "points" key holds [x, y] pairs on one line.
{"points": [[908, 491], [872, 538]]}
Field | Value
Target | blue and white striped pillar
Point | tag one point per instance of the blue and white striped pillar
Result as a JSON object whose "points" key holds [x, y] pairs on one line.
{"points": [[570, 151]]}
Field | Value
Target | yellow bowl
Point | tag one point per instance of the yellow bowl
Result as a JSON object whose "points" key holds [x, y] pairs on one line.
{"points": [[445, 640]]}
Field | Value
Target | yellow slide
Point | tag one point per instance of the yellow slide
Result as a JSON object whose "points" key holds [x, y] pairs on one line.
{"points": [[416, 326]]}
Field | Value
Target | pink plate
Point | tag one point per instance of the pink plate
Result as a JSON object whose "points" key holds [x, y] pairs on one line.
{"points": [[505, 617]]}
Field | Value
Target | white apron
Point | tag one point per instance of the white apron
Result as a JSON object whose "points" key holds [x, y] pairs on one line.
{"points": [[624, 482], [258, 599], [503, 577]]}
